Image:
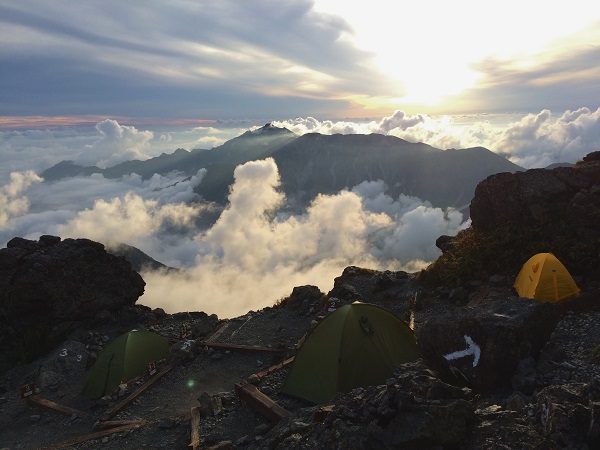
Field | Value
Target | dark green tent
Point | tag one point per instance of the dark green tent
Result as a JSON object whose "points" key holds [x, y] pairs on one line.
{"points": [[124, 358], [357, 345]]}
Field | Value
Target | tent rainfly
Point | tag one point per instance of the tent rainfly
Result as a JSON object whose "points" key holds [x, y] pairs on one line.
{"points": [[358, 345], [124, 358], [544, 278]]}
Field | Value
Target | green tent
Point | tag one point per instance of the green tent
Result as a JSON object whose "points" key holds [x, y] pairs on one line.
{"points": [[357, 345], [124, 358]]}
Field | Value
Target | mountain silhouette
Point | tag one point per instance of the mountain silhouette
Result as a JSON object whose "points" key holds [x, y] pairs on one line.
{"points": [[315, 163]]}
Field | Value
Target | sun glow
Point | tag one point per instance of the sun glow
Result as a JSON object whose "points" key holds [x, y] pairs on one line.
{"points": [[432, 47]]}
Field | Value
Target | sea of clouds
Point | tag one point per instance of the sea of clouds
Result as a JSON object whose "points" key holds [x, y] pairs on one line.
{"points": [[255, 253]]}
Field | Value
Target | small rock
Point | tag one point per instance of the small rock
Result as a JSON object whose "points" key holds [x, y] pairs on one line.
{"points": [[122, 390], [259, 362], [261, 429], [298, 425], [105, 440], [515, 402], [103, 401], [242, 441], [253, 379], [35, 417], [210, 405]]}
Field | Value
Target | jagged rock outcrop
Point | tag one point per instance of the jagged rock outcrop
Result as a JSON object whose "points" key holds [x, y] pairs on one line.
{"points": [[494, 336], [538, 197], [48, 286], [367, 285], [515, 215]]}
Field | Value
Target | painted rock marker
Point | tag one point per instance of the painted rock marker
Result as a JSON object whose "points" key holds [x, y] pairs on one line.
{"points": [[471, 350]]}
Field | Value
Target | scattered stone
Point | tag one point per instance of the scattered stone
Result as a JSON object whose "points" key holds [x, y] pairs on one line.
{"points": [[261, 429], [395, 415], [242, 441], [210, 405], [515, 402]]}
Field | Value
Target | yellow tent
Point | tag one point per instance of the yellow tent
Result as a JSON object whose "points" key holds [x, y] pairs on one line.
{"points": [[544, 278]]}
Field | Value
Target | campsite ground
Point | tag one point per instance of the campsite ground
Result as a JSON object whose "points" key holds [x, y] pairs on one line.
{"points": [[166, 406], [570, 355]]}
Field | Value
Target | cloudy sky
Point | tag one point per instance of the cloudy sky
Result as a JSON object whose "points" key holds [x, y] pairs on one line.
{"points": [[274, 59]]}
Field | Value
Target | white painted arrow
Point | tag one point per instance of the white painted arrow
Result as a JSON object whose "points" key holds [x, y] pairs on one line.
{"points": [[472, 349]]}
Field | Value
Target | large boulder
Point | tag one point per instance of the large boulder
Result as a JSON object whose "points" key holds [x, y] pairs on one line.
{"points": [[391, 289], [537, 196], [484, 345], [48, 286], [515, 215]]}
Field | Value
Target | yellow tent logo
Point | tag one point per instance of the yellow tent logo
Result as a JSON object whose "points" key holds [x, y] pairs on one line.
{"points": [[543, 277]]}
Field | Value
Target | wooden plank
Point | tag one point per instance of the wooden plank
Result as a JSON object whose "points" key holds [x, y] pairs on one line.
{"points": [[195, 428], [260, 375], [95, 435], [213, 337], [107, 424], [262, 403], [49, 404], [248, 348], [139, 391]]}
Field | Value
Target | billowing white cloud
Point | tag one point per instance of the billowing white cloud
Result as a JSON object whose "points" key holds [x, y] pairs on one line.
{"points": [[441, 132], [129, 219], [541, 139], [254, 255], [398, 121], [151, 214], [533, 140], [13, 202], [117, 143]]}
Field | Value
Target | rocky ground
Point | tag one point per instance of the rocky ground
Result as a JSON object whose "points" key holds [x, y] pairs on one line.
{"points": [[528, 377], [548, 400]]}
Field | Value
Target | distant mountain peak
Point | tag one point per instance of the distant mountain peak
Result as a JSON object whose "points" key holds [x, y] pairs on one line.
{"points": [[268, 129]]}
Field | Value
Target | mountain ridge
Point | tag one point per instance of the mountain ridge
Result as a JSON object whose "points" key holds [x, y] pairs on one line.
{"points": [[314, 163]]}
